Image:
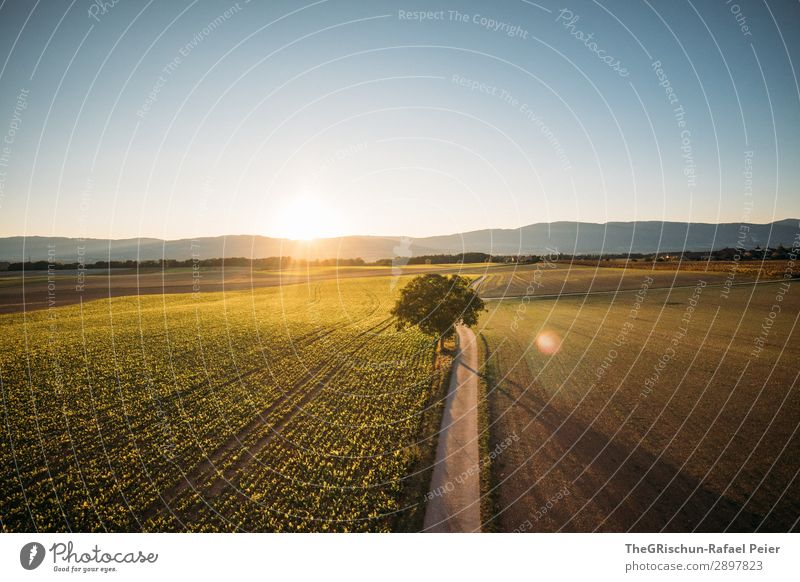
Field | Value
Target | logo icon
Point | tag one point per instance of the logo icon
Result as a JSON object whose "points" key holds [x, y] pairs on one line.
{"points": [[31, 555], [402, 255]]}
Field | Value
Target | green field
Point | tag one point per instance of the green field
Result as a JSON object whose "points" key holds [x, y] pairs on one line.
{"points": [[661, 416], [282, 409]]}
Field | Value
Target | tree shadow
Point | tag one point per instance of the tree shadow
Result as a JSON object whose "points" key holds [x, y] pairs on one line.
{"points": [[630, 488]]}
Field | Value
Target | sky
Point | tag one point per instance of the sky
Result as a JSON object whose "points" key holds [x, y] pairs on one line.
{"points": [[181, 119]]}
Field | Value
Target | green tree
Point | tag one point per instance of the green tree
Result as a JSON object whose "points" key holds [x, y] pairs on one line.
{"points": [[437, 304]]}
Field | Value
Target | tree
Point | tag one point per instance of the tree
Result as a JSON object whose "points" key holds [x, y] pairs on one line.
{"points": [[436, 304]]}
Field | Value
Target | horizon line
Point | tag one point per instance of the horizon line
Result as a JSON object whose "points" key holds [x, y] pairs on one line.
{"points": [[390, 236]]}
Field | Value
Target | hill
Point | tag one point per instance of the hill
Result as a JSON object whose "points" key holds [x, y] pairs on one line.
{"points": [[566, 237]]}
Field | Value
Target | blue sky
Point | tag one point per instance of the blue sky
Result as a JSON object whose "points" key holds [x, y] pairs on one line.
{"points": [[298, 119]]}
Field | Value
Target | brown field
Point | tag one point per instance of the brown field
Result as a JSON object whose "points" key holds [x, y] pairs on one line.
{"points": [[606, 443], [496, 280], [762, 269], [552, 279], [128, 282]]}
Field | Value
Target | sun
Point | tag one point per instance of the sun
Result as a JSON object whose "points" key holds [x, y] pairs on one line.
{"points": [[307, 218]]}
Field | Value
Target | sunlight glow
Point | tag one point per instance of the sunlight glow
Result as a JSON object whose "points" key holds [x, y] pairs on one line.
{"points": [[307, 218], [548, 342]]}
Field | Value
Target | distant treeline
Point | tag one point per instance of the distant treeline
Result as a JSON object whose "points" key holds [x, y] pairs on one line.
{"points": [[269, 263], [277, 263], [779, 253], [265, 263], [442, 259]]}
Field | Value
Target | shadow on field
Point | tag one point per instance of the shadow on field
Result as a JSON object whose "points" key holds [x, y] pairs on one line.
{"points": [[613, 485]]}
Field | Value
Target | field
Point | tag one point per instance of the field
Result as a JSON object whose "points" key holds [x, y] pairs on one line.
{"points": [[645, 411], [71, 287], [495, 280], [287, 401], [768, 269], [289, 408], [559, 279]]}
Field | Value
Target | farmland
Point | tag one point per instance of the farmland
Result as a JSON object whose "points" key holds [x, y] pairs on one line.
{"points": [[549, 278], [621, 399], [768, 269], [672, 410], [27, 291], [292, 408]]}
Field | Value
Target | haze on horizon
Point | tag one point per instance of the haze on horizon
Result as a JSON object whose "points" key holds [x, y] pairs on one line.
{"points": [[187, 119]]}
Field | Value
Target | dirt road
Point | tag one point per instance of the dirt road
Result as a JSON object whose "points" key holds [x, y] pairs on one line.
{"points": [[455, 486]]}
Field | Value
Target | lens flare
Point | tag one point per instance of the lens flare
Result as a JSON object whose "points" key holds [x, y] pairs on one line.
{"points": [[548, 342]]}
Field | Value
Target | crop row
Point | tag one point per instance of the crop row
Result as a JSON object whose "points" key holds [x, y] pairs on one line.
{"points": [[112, 409]]}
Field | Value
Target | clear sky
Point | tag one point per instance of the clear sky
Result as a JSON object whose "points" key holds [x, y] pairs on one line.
{"points": [[180, 119]]}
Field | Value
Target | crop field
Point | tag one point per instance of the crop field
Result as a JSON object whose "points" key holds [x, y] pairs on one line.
{"points": [[292, 408], [551, 278], [768, 269], [31, 290], [672, 410], [633, 400]]}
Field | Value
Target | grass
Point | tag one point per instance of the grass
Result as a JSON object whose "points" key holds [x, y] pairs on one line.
{"points": [[417, 484], [488, 478]]}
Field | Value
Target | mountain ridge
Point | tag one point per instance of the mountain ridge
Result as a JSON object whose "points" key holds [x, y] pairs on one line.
{"points": [[563, 236]]}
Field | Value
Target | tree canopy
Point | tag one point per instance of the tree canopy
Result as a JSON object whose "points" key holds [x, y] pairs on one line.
{"points": [[437, 304]]}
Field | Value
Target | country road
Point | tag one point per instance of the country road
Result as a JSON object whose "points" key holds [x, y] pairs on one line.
{"points": [[455, 505]]}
